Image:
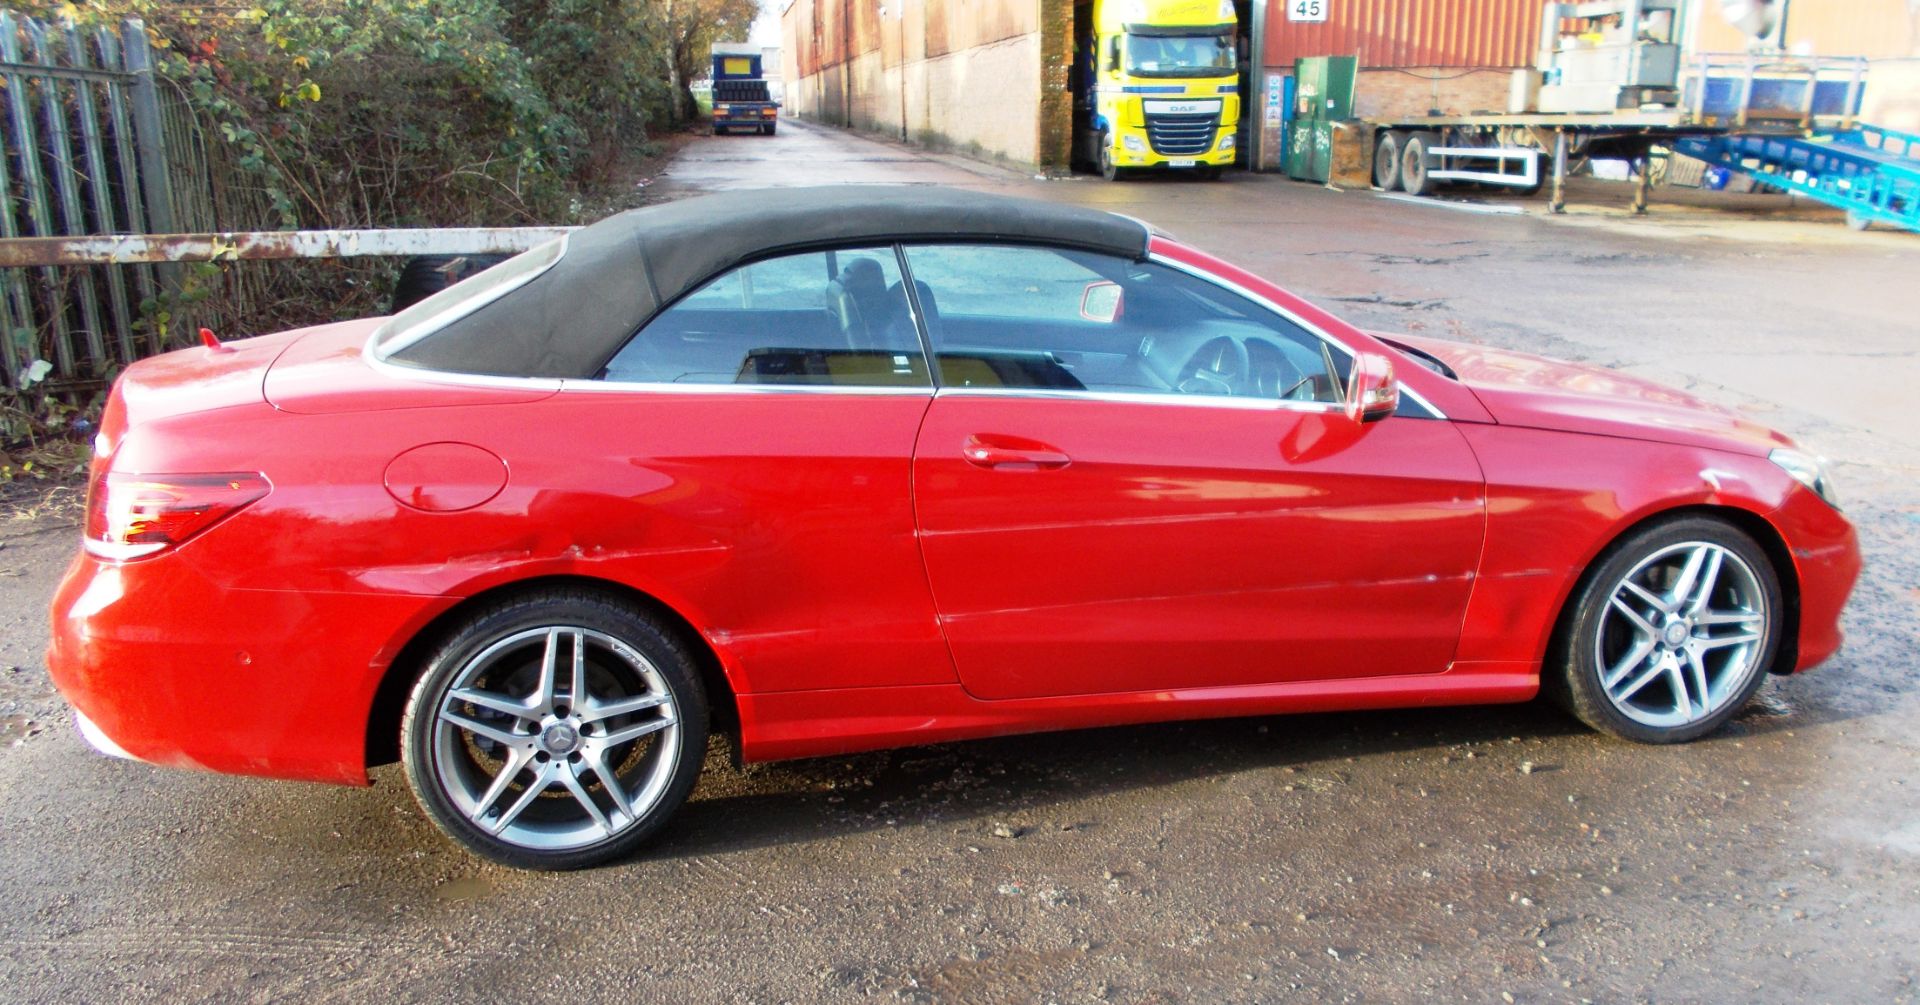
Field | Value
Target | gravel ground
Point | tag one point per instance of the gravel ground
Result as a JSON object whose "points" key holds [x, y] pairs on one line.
{"points": [[1472, 854]]}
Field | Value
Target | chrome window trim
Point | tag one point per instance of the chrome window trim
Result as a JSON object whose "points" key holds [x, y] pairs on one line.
{"points": [[1144, 398], [387, 339], [1312, 329], [658, 387], [555, 384], [380, 364]]}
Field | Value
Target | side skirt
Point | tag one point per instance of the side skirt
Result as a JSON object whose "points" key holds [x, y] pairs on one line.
{"points": [[823, 723]]}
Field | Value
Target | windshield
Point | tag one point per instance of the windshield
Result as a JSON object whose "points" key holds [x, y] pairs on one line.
{"points": [[1180, 55]]}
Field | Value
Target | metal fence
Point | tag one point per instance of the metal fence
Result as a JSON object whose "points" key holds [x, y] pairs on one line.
{"points": [[86, 152]]}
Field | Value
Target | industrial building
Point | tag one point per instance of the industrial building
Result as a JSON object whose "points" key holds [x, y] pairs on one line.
{"points": [[993, 77]]}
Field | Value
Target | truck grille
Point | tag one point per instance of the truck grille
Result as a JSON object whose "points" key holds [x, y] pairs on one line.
{"points": [[1182, 135]]}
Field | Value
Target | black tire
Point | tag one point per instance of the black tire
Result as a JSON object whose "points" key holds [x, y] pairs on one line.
{"points": [[1108, 169], [1573, 676], [1208, 172], [1416, 164], [1386, 161], [425, 275], [671, 769], [771, 127]]}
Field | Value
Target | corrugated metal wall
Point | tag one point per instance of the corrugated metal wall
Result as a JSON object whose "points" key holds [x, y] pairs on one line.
{"points": [[1393, 33]]}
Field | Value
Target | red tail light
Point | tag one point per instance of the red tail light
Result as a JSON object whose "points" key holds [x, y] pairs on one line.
{"points": [[133, 516]]}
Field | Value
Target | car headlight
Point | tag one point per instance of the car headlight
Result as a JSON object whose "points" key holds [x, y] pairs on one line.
{"points": [[1808, 470], [1226, 142], [1134, 144]]}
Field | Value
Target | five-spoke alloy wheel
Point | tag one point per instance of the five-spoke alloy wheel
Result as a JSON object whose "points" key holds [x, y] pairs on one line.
{"points": [[557, 730], [1671, 633]]}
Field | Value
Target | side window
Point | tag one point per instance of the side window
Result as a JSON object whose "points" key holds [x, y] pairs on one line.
{"points": [[1053, 319], [838, 318]]}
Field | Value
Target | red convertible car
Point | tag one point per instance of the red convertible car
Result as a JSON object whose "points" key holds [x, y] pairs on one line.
{"points": [[867, 467]]}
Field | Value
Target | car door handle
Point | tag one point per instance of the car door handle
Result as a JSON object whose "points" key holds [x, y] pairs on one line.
{"points": [[1011, 452]]}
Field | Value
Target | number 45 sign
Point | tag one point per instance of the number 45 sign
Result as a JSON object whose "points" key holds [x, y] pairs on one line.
{"points": [[1307, 10]]}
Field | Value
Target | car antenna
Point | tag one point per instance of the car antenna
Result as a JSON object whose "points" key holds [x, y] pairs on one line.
{"points": [[212, 341]]}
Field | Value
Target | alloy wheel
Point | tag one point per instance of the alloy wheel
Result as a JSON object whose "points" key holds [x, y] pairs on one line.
{"points": [[556, 738], [1683, 634]]}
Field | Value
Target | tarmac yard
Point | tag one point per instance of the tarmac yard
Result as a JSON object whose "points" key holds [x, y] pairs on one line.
{"points": [[1467, 854]]}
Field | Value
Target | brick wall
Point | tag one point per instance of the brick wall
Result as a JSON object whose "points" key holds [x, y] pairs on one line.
{"points": [[1384, 95]]}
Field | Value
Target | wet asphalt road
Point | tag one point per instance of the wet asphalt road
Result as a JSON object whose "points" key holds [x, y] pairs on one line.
{"points": [[1469, 854]]}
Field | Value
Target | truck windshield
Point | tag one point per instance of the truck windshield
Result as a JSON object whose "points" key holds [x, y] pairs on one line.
{"points": [[1180, 55]]}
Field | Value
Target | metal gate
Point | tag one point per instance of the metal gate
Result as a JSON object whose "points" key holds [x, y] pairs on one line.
{"points": [[86, 141]]}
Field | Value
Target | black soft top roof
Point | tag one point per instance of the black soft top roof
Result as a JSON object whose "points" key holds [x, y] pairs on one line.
{"points": [[618, 273]]}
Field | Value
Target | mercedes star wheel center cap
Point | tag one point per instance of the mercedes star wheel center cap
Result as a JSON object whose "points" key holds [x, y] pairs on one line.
{"points": [[560, 739]]}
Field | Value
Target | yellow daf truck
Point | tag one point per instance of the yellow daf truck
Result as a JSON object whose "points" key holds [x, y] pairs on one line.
{"points": [[1156, 85]]}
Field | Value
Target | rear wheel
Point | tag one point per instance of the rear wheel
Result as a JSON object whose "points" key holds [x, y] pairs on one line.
{"points": [[770, 128], [1386, 162], [1670, 634], [555, 731], [1416, 163]]}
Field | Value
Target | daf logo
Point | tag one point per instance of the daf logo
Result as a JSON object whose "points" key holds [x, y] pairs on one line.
{"points": [[1204, 107]]}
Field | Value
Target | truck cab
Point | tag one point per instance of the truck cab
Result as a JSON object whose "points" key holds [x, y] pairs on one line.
{"points": [[1157, 86]]}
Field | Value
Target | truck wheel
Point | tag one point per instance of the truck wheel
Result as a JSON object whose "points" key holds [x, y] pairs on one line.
{"points": [[770, 128], [1208, 172], [425, 275], [1386, 162], [1416, 164], [1108, 169]]}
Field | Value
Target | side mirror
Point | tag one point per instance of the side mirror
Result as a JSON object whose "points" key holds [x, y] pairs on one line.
{"points": [[1101, 301], [1372, 393]]}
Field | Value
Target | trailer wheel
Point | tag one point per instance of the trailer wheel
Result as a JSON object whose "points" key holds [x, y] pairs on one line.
{"points": [[1416, 164], [1386, 161]]}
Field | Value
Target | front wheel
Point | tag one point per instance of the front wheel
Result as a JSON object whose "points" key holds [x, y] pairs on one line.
{"points": [[1108, 169], [1671, 633], [1386, 162], [555, 731]]}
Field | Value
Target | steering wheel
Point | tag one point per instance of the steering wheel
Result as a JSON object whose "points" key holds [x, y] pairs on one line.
{"points": [[1219, 366]]}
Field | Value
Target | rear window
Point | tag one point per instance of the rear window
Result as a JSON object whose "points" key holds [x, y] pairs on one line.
{"points": [[465, 297]]}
